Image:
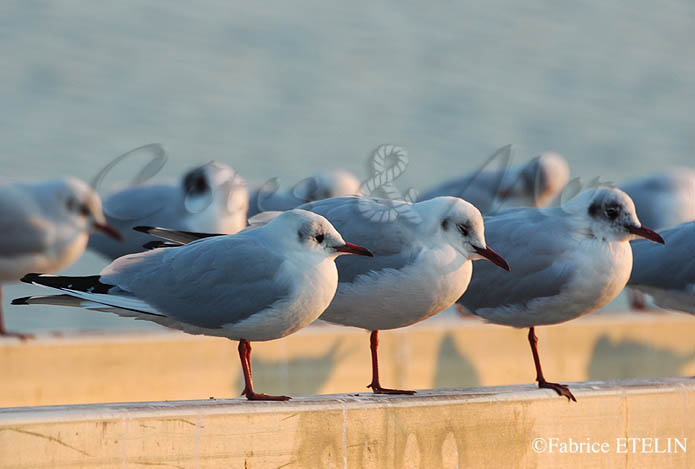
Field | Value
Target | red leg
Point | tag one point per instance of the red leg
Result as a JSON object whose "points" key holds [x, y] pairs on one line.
{"points": [[4, 332], [245, 357], [376, 387], [637, 300], [561, 389], [463, 312]]}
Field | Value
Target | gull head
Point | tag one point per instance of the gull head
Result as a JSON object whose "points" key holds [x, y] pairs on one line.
{"points": [[327, 184], [78, 203], [540, 180], [214, 185], [301, 230], [610, 214], [459, 224]]}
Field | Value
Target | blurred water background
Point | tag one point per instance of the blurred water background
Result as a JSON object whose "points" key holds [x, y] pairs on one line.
{"points": [[284, 88]]}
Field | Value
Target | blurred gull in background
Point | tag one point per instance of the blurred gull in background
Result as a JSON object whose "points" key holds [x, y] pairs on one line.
{"points": [[663, 200], [325, 184], [45, 227], [210, 198], [534, 184], [260, 284], [566, 261], [667, 273]]}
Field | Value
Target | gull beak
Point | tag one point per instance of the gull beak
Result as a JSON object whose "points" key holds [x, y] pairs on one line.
{"points": [[493, 257], [646, 233], [350, 248], [108, 230]]}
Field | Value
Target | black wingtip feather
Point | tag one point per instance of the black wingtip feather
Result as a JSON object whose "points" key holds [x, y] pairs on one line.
{"points": [[30, 278], [21, 301], [159, 244], [144, 229], [152, 245], [90, 283]]}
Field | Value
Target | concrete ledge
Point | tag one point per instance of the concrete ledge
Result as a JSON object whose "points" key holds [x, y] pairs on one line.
{"points": [[477, 427], [439, 353]]}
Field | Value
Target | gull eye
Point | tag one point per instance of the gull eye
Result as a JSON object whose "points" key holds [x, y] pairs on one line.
{"points": [[319, 238], [75, 206], [200, 185], [611, 212], [195, 182], [463, 229]]}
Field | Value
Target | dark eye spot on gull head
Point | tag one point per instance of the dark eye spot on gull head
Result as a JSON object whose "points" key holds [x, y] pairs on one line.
{"points": [[195, 182]]}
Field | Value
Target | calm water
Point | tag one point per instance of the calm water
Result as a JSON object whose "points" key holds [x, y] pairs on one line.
{"points": [[281, 89]]}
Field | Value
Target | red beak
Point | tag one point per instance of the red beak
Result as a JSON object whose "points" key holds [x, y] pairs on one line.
{"points": [[646, 233], [350, 248], [493, 257], [108, 230]]}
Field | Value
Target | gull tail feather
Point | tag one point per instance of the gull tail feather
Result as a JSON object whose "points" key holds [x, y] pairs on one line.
{"points": [[56, 300], [93, 292], [68, 300]]}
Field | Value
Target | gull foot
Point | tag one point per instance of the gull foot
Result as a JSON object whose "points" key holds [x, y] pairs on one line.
{"points": [[561, 389], [252, 396], [18, 335], [379, 390]]}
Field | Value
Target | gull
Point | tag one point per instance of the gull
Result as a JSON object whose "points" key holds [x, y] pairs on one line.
{"points": [[667, 273], [45, 226], [663, 200], [323, 185], [257, 285], [566, 261], [535, 183], [421, 265], [211, 197]]}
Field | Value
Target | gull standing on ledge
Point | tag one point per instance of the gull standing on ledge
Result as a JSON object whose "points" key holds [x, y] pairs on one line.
{"points": [[422, 262], [45, 226], [566, 261], [257, 285]]}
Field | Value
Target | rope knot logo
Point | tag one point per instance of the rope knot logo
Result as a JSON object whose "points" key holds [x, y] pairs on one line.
{"points": [[388, 164]]}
